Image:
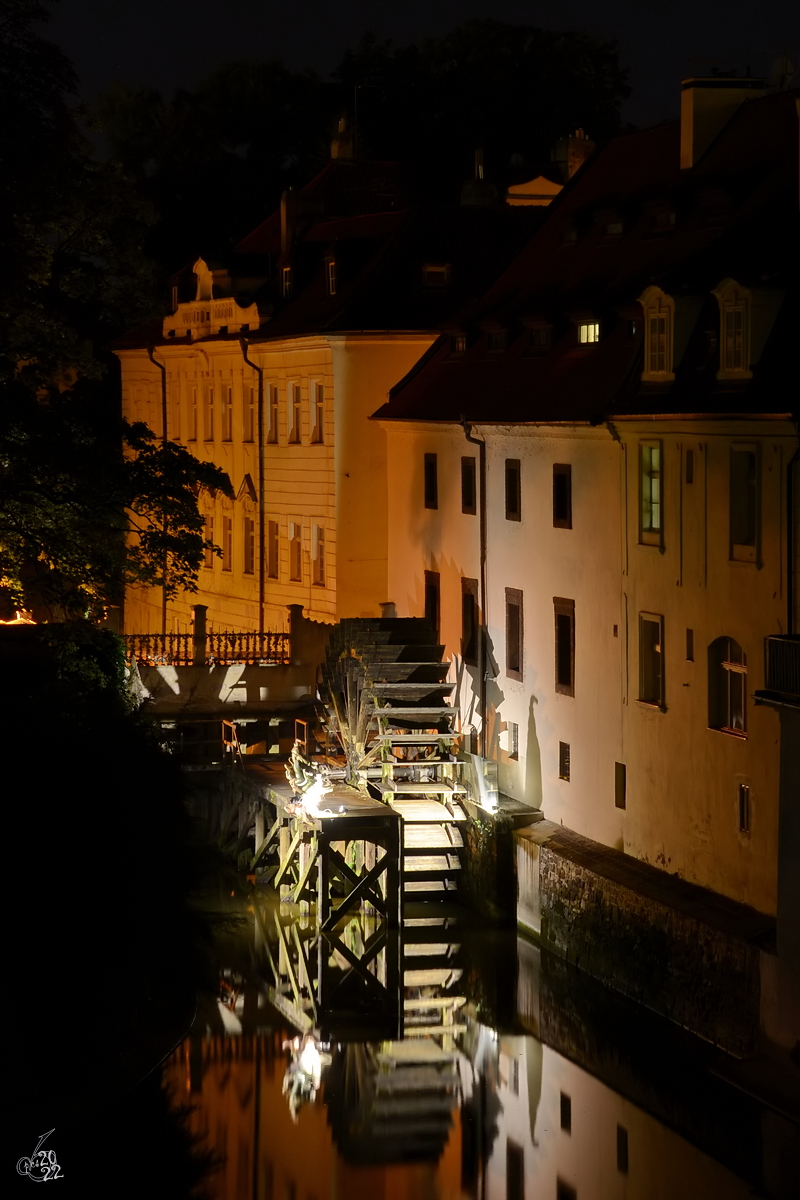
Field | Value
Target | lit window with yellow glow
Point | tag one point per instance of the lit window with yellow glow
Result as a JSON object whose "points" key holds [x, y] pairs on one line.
{"points": [[589, 332]]}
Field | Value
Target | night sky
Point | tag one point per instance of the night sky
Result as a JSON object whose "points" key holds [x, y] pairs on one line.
{"points": [[172, 44]]}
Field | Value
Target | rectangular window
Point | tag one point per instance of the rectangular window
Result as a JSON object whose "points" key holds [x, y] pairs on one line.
{"points": [[330, 276], [744, 516], [294, 413], [733, 338], [318, 553], [249, 546], [566, 1112], [272, 413], [513, 739], [497, 340], [175, 429], [513, 498], [620, 785], [226, 412], [458, 343], [564, 611], [435, 275], [227, 543], [208, 534], [318, 414], [431, 482], [469, 621], [208, 417], [563, 760], [540, 339], [589, 332], [622, 1150], [295, 551], [515, 1171], [690, 466], [562, 496], [657, 342], [651, 513], [744, 807], [651, 659], [468, 488], [249, 414], [432, 601], [273, 546], [286, 281], [514, 634], [690, 645], [192, 433]]}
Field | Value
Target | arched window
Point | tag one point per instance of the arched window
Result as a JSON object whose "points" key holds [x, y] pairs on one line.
{"points": [[727, 686], [734, 329], [659, 322]]}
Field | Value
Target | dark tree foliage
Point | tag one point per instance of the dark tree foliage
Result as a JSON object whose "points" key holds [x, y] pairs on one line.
{"points": [[213, 162], [75, 480]]}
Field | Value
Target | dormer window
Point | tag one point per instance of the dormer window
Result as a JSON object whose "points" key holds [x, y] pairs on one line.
{"points": [[541, 338], [286, 281], [458, 343], [613, 229], [588, 332], [734, 323], [659, 322], [664, 220], [330, 276], [569, 237], [497, 340], [435, 275]]}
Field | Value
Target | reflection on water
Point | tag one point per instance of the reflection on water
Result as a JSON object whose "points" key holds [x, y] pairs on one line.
{"points": [[451, 1106]]}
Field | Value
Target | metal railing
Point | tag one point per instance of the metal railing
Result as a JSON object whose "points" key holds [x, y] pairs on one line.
{"points": [[261, 648], [782, 667]]}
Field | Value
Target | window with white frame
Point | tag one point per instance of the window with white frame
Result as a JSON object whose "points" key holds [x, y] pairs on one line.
{"points": [[589, 332], [650, 493], [294, 413], [272, 413], [295, 551], [330, 275], [318, 413], [659, 321], [192, 430], [249, 414], [318, 555], [734, 322], [727, 686], [226, 411], [208, 414]]}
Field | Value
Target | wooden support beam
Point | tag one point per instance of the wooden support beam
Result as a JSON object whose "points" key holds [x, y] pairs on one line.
{"points": [[363, 888], [356, 964], [289, 859], [312, 858], [304, 971], [289, 970], [266, 842]]}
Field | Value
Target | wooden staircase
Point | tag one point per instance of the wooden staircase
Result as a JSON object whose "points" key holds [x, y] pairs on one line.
{"points": [[386, 693]]}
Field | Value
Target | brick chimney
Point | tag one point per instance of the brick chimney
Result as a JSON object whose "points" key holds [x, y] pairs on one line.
{"points": [[571, 152], [706, 107]]}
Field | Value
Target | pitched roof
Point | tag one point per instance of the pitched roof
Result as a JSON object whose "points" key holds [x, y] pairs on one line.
{"points": [[605, 239]]}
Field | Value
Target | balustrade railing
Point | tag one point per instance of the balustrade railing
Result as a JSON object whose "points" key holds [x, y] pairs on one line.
{"points": [[261, 648], [783, 664]]}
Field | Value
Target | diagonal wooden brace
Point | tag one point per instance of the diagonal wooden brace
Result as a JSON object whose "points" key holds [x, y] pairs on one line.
{"points": [[362, 889], [338, 863], [356, 964], [265, 844], [287, 862], [301, 883]]}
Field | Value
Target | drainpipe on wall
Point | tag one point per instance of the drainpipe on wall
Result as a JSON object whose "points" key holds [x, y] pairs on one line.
{"points": [[261, 565], [163, 370], [467, 427], [791, 534]]}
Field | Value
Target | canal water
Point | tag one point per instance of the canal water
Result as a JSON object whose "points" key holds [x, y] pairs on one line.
{"points": [[448, 1062]]}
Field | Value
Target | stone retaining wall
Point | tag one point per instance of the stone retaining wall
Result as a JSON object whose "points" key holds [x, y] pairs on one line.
{"points": [[702, 978]]}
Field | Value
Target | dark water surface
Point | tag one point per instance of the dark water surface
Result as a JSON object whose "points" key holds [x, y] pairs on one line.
{"points": [[469, 1064]]}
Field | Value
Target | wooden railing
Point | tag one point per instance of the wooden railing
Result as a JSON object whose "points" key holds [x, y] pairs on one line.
{"points": [[261, 648]]}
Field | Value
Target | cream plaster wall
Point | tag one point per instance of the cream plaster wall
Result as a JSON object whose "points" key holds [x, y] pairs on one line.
{"points": [[338, 485], [682, 777]]}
